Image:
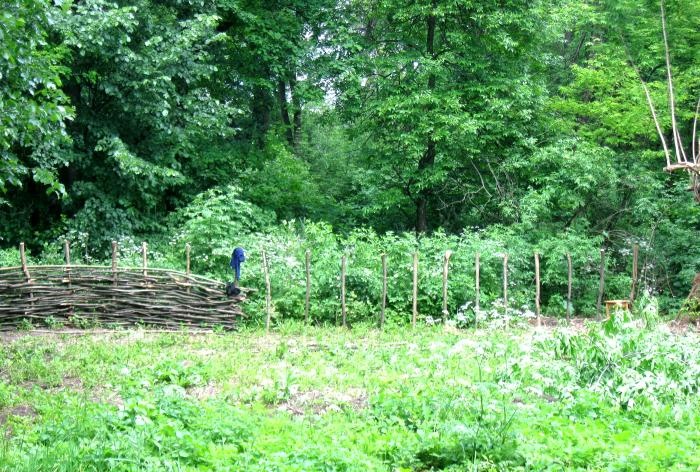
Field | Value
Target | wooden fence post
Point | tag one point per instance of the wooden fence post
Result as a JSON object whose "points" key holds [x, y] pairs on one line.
{"points": [[445, 272], [601, 286], [342, 291], [307, 301], [415, 290], [477, 289], [23, 261], [115, 248], [537, 289], [144, 250], [505, 287], [268, 296], [635, 275], [25, 270], [66, 256], [382, 314], [66, 253], [568, 293], [188, 248]]}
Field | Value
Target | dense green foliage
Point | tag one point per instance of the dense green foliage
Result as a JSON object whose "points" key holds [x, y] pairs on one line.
{"points": [[312, 399], [333, 126]]}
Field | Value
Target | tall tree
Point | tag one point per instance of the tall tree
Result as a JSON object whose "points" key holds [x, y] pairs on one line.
{"points": [[438, 89], [33, 108]]}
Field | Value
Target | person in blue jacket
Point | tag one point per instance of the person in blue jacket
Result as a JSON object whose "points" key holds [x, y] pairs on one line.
{"points": [[237, 258]]}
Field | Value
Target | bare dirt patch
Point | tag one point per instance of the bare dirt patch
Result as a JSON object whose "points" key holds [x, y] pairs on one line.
{"points": [[18, 410], [204, 392], [325, 401]]}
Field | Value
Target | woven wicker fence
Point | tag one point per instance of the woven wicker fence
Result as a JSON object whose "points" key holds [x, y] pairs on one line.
{"points": [[114, 296]]}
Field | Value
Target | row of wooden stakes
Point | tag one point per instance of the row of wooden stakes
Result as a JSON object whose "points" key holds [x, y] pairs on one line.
{"points": [[445, 275]]}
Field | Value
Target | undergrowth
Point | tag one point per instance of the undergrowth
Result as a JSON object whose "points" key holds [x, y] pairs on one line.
{"points": [[329, 399]]}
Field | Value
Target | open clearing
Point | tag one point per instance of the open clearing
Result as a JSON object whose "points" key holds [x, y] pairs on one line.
{"points": [[329, 399]]}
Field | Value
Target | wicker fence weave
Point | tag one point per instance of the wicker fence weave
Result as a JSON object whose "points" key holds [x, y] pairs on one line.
{"points": [[122, 296]]}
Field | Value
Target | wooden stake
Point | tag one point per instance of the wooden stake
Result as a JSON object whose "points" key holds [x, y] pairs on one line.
{"points": [[114, 270], [268, 295], [568, 293], [307, 301], [445, 272], [601, 286], [415, 289], [23, 260], [342, 292], [635, 268], [537, 289], [115, 251], [66, 253], [382, 314], [66, 256], [188, 248], [477, 289], [144, 250], [25, 270], [505, 287]]}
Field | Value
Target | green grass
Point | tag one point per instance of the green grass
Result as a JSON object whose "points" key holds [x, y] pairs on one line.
{"points": [[328, 399]]}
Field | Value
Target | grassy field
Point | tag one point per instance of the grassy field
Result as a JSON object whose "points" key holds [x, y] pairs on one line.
{"points": [[328, 399]]}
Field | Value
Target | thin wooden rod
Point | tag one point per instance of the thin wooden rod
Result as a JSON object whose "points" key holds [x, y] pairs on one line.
{"points": [[505, 287], [635, 272], [568, 293], [445, 274], [307, 300], [601, 285], [342, 291], [414, 317], [268, 295], [144, 251], [537, 289], [477, 270], [384, 285]]}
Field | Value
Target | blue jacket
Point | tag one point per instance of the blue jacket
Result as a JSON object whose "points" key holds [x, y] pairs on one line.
{"points": [[237, 258]]}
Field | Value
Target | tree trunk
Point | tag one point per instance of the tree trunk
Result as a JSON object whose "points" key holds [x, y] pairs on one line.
{"points": [[260, 108], [296, 111], [428, 158], [284, 110]]}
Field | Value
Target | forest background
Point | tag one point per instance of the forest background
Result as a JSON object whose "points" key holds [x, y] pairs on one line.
{"points": [[354, 127]]}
